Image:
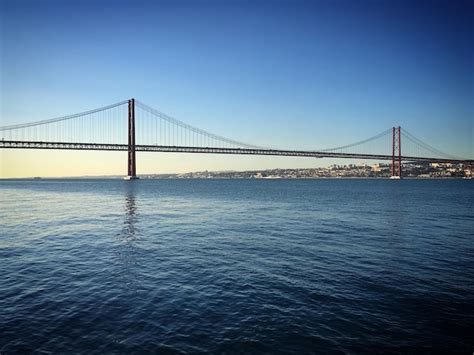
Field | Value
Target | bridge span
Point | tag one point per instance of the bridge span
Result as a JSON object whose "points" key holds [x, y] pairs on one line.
{"points": [[101, 131]]}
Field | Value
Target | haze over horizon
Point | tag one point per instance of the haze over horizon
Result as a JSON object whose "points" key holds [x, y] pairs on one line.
{"points": [[282, 74]]}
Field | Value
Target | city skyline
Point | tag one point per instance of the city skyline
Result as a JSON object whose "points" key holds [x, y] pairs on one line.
{"points": [[338, 72]]}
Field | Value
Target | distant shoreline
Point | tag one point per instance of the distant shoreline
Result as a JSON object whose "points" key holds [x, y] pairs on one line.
{"points": [[232, 178], [421, 171]]}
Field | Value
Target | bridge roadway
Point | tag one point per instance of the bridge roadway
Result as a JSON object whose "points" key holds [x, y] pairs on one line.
{"points": [[209, 150]]}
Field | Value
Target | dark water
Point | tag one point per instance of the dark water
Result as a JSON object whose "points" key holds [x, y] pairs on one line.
{"points": [[246, 266]]}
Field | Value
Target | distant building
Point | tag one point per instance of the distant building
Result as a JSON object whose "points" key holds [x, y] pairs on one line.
{"points": [[376, 168]]}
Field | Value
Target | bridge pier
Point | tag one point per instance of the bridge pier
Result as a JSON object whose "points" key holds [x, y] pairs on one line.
{"points": [[396, 153], [132, 167]]}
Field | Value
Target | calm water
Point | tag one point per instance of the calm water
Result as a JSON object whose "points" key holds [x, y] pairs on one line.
{"points": [[236, 266]]}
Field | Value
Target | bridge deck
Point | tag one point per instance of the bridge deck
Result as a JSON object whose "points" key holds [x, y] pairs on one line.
{"points": [[210, 150]]}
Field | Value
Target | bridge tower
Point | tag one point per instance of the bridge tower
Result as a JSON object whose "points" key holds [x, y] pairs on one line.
{"points": [[396, 153], [132, 168]]}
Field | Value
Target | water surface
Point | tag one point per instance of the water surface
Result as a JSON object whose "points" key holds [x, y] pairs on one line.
{"points": [[186, 266]]}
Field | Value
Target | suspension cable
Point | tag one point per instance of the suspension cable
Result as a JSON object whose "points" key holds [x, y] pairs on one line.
{"points": [[426, 146], [381, 134], [63, 118], [196, 130]]}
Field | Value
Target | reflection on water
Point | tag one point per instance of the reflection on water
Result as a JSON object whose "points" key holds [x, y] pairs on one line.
{"points": [[127, 249], [396, 218], [130, 220]]}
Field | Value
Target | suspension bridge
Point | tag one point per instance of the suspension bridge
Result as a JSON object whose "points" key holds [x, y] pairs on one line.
{"points": [[134, 127]]}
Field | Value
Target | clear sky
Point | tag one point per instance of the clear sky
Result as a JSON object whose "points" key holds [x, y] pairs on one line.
{"points": [[289, 74]]}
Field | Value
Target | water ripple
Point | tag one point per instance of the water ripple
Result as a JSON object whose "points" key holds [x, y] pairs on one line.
{"points": [[181, 266]]}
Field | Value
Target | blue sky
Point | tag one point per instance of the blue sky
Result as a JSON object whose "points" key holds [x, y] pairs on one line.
{"points": [[290, 74]]}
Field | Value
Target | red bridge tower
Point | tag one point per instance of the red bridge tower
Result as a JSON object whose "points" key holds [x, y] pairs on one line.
{"points": [[396, 153], [132, 168]]}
